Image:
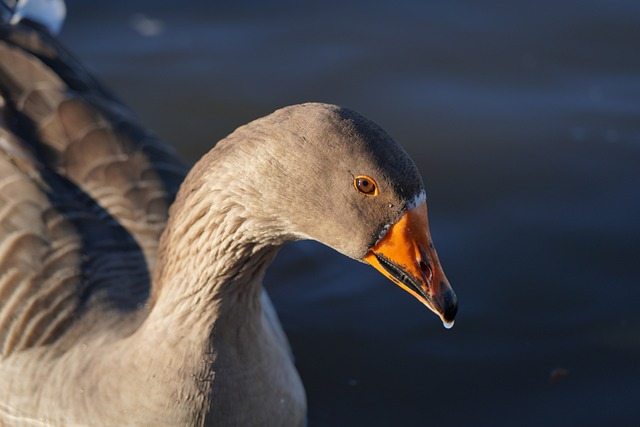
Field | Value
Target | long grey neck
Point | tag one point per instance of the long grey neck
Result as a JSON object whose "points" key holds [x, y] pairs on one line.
{"points": [[214, 251], [206, 297]]}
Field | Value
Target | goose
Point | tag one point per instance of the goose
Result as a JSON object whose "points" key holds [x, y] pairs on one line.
{"points": [[131, 285]]}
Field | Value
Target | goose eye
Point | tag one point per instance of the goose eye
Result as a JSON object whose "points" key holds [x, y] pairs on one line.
{"points": [[366, 185]]}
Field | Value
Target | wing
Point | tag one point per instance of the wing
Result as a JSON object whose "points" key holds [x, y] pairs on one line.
{"points": [[82, 132], [84, 192]]}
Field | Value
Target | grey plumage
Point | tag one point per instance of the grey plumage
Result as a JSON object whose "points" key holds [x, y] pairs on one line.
{"points": [[115, 312]]}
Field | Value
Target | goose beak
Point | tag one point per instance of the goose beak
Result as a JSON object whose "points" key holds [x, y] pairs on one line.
{"points": [[406, 256]]}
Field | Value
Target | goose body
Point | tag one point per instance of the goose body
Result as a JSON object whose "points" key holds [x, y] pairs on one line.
{"points": [[131, 288]]}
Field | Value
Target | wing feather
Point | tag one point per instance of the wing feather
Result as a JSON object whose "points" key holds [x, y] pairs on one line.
{"points": [[84, 194]]}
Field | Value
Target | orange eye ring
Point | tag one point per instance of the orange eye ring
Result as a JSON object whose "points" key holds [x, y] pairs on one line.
{"points": [[366, 185]]}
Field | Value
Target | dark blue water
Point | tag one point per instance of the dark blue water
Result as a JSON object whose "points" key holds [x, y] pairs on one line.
{"points": [[524, 119]]}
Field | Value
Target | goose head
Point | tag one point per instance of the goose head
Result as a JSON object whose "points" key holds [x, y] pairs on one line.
{"points": [[326, 173]]}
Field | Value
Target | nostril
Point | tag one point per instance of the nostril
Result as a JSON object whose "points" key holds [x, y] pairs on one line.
{"points": [[426, 269]]}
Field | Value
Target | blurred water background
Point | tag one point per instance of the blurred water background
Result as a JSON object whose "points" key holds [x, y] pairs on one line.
{"points": [[524, 119]]}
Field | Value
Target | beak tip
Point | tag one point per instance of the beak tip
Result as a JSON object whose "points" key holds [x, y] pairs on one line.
{"points": [[450, 304]]}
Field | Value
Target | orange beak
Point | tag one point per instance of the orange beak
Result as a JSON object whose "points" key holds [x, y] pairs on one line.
{"points": [[407, 257]]}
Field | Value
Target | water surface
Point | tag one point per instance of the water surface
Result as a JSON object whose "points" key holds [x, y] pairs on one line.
{"points": [[524, 121]]}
